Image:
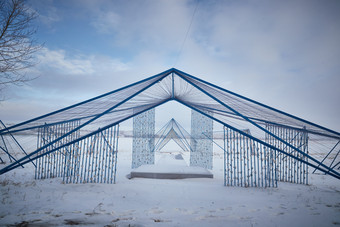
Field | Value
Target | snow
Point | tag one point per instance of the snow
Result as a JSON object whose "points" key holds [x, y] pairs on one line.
{"points": [[163, 202]]}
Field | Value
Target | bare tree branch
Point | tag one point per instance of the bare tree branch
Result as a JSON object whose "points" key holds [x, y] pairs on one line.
{"points": [[17, 45]]}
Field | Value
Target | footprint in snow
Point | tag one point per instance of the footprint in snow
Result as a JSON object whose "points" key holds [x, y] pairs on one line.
{"points": [[160, 220]]}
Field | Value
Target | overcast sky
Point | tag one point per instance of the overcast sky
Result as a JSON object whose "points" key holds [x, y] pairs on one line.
{"points": [[283, 53]]}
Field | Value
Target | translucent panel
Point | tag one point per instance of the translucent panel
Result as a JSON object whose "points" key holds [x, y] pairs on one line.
{"points": [[143, 139], [201, 143]]}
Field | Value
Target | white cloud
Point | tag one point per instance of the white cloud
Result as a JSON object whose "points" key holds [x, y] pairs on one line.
{"points": [[59, 61]]}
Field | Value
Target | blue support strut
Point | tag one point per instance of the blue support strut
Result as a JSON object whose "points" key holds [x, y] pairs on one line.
{"points": [[260, 127]]}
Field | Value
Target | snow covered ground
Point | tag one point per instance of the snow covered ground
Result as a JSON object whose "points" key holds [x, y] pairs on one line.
{"points": [[160, 202]]}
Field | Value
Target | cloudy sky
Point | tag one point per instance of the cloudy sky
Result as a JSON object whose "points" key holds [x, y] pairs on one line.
{"points": [[282, 53]]}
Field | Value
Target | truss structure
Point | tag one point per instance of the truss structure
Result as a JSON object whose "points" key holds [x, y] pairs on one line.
{"points": [[9, 147], [287, 168], [232, 110], [172, 131]]}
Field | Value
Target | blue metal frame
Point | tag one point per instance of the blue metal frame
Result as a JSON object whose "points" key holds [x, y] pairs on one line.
{"points": [[100, 157], [49, 166], [156, 148], [181, 129], [328, 154], [167, 72], [166, 132], [258, 103], [5, 149], [16, 142], [258, 126], [238, 162], [185, 77], [6, 169], [235, 116], [9, 167], [258, 140], [330, 166], [212, 139], [289, 169]]}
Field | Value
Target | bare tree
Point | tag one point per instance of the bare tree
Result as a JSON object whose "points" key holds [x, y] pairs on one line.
{"points": [[17, 45]]}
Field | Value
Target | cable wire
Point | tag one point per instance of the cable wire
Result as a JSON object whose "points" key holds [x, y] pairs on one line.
{"points": [[187, 33]]}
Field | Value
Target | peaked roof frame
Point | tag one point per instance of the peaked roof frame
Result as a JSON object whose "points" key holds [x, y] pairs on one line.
{"points": [[165, 135], [124, 103]]}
